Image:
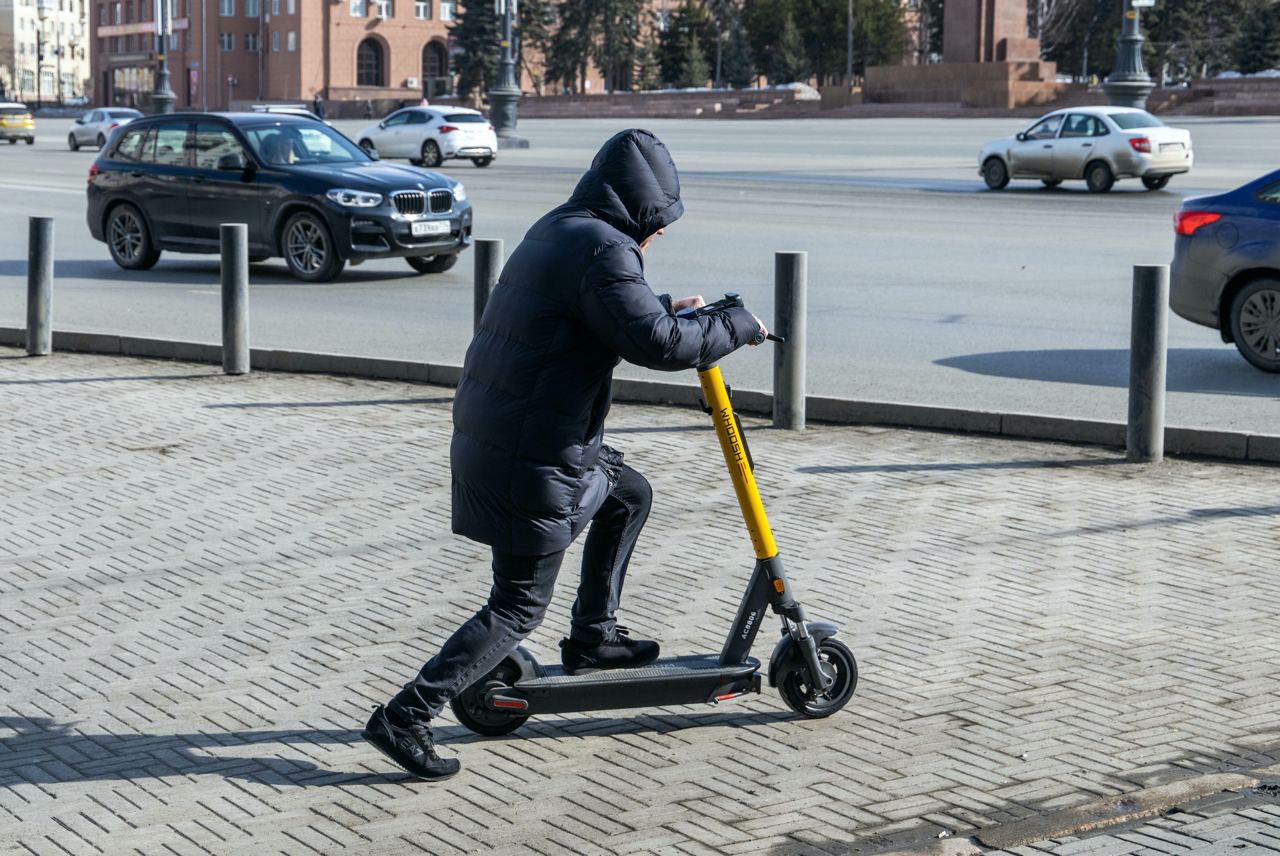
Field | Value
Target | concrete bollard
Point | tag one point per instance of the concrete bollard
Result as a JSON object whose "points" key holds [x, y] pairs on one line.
{"points": [[235, 298], [790, 282], [39, 286], [1148, 356], [488, 266]]}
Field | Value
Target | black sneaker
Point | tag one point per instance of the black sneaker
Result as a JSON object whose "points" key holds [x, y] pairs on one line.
{"points": [[617, 651], [412, 749]]}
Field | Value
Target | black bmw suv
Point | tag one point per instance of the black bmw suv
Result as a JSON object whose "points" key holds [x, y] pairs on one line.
{"points": [[306, 192]]}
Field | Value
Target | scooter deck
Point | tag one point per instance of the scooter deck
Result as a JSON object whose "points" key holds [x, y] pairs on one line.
{"points": [[693, 679]]}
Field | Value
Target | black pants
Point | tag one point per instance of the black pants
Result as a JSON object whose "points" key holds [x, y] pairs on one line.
{"points": [[522, 588]]}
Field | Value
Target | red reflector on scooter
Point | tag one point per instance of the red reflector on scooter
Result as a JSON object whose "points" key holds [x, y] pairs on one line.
{"points": [[727, 696], [510, 704]]}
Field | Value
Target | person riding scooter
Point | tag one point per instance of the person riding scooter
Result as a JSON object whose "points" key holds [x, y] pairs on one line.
{"points": [[530, 468]]}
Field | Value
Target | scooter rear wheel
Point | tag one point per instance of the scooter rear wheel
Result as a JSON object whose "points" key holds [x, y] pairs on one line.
{"points": [[470, 710], [837, 660]]}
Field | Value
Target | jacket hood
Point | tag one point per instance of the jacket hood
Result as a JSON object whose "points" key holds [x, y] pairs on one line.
{"points": [[632, 184]]}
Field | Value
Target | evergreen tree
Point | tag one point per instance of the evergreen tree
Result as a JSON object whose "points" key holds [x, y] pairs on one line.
{"points": [[786, 63], [694, 70], [615, 49], [738, 64], [535, 32], [475, 31], [566, 63], [648, 73], [1257, 47], [688, 21]]}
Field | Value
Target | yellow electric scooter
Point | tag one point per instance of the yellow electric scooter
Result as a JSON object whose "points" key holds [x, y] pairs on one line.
{"points": [[815, 673]]}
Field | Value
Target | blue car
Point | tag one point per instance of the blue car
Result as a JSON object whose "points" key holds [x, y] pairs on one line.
{"points": [[1226, 267]]}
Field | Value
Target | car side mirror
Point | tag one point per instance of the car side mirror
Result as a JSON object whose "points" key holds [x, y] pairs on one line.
{"points": [[373, 154], [80, 121], [382, 125], [1022, 136], [232, 162]]}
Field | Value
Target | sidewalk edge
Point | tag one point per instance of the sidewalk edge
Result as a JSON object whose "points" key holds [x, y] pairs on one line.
{"points": [[1197, 442]]}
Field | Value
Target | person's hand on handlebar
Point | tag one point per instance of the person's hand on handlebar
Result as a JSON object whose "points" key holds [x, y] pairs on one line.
{"points": [[695, 302], [762, 335]]}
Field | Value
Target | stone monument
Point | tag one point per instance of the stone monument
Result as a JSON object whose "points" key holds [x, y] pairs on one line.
{"points": [[988, 60], [987, 31]]}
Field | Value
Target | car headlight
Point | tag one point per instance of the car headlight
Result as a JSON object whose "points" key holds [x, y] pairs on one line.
{"points": [[354, 198], [459, 192]]}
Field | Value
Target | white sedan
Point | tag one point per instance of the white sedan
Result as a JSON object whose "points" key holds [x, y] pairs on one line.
{"points": [[1097, 144], [427, 136], [96, 127]]}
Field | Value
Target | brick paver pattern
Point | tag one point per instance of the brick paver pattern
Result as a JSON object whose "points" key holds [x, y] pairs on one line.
{"points": [[207, 582]]}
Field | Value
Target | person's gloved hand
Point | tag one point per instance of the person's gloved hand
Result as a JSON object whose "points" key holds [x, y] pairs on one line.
{"points": [[764, 331]]}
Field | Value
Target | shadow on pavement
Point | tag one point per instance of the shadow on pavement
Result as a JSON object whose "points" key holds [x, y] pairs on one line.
{"points": [[1195, 515], [997, 465], [255, 405], [1208, 370], [43, 751]]}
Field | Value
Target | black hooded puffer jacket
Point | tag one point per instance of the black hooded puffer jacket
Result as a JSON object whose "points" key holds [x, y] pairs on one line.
{"points": [[529, 411]]}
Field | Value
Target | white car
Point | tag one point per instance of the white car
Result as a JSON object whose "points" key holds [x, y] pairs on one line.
{"points": [[427, 136], [1097, 144], [96, 127]]}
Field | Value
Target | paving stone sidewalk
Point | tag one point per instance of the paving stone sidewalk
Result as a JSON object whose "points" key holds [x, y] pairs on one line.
{"points": [[206, 582]]}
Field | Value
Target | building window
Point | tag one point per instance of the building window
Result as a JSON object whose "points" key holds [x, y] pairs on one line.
{"points": [[446, 10], [102, 15], [422, 10], [252, 8], [359, 8], [226, 42], [275, 7], [275, 42], [226, 8], [370, 66], [293, 40], [293, 7], [384, 8], [435, 60], [251, 42]]}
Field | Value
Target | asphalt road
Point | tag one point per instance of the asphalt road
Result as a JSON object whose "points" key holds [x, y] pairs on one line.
{"points": [[924, 287]]}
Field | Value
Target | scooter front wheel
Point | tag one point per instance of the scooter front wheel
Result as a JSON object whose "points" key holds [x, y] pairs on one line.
{"points": [[471, 711], [837, 661]]}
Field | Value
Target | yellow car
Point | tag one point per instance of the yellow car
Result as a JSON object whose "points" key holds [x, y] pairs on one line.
{"points": [[16, 122]]}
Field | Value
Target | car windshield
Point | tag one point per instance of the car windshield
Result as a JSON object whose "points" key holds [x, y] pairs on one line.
{"points": [[458, 118], [1135, 119], [296, 144]]}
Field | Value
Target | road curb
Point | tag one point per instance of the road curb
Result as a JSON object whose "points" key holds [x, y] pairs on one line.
{"points": [[1196, 442]]}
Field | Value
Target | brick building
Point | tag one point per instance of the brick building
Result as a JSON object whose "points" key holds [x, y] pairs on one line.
{"points": [[227, 53], [44, 50]]}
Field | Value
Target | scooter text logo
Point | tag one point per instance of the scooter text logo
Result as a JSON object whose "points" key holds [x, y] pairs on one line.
{"points": [[751, 622], [731, 431]]}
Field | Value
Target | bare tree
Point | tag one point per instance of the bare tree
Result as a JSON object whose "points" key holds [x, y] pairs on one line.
{"points": [[1051, 22]]}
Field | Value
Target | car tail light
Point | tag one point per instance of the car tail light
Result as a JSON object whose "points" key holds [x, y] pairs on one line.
{"points": [[1141, 144], [1187, 222], [448, 129], [113, 126], [93, 172]]}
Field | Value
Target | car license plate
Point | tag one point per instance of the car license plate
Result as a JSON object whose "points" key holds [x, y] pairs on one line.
{"points": [[430, 227], [1171, 147]]}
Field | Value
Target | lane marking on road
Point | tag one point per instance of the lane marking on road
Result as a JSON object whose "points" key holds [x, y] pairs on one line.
{"points": [[44, 188]]}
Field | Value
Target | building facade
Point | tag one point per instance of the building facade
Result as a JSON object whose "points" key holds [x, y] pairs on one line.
{"points": [[44, 50], [225, 54]]}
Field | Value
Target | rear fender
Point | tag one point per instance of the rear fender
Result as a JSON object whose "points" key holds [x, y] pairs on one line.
{"points": [[786, 654]]}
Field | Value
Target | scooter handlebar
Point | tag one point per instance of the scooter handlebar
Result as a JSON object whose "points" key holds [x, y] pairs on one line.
{"points": [[731, 300]]}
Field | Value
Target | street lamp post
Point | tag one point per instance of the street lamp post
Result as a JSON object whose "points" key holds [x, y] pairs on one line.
{"points": [[1129, 84], [505, 95], [162, 95]]}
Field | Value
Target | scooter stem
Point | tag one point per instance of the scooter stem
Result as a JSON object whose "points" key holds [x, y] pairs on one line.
{"points": [[735, 458]]}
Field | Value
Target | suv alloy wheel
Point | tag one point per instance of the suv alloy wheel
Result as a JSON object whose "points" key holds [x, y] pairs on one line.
{"points": [[309, 250]]}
